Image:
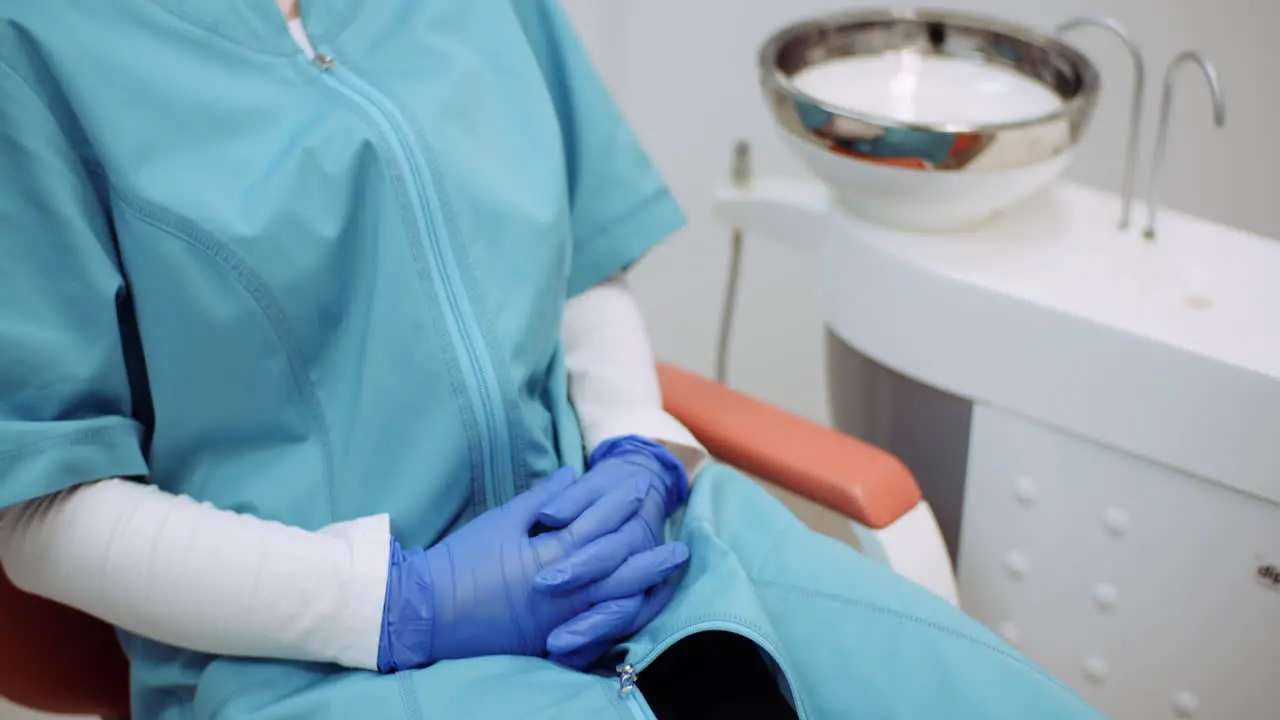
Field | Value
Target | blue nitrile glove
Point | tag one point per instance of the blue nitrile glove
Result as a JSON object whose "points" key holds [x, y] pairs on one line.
{"points": [[581, 641], [620, 468], [471, 594]]}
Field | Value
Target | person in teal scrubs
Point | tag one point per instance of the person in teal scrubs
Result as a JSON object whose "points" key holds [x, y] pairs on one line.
{"points": [[318, 379]]}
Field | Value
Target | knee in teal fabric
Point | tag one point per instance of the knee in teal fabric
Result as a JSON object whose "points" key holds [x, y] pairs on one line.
{"points": [[852, 638]]}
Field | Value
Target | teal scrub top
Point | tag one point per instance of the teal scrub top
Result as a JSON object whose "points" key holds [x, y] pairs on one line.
{"points": [[306, 293]]}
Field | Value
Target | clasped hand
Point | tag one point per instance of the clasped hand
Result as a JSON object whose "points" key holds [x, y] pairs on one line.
{"points": [[594, 574]]}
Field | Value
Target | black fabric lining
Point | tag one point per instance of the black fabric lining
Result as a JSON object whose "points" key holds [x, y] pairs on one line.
{"points": [[713, 676]]}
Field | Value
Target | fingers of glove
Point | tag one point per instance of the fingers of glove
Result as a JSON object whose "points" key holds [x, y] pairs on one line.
{"points": [[527, 504], [596, 632], [568, 505], [600, 623], [594, 561], [639, 573], [653, 513], [654, 603], [607, 515]]}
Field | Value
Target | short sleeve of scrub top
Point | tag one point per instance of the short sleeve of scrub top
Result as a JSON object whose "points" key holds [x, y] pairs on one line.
{"points": [[621, 207], [66, 408]]}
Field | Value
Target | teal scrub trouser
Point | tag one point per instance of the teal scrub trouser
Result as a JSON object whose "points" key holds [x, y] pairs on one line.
{"points": [[842, 636]]}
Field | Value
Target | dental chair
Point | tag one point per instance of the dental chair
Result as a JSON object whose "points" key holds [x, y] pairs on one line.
{"points": [[57, 660]]}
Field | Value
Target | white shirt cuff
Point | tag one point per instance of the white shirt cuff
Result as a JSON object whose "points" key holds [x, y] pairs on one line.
{"points": [[613, 377], [190, 575], [354, 641]]}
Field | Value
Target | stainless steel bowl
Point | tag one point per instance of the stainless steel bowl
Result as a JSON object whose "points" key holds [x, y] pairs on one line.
{"points": [[947, 147]]}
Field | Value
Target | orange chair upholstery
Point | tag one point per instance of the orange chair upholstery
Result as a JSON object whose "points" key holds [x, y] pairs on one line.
{"points": [[58, 660], [858, 480]]}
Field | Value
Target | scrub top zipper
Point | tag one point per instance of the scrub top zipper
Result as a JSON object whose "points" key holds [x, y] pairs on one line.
{"points": [[631, 695], [479, 375]]}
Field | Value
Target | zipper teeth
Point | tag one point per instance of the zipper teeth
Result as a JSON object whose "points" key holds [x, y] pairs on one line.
{"points": [[482, 373], [639, 666], [459, 314]]}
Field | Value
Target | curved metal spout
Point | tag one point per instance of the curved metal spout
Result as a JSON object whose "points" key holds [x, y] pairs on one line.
{"points": [[1127, 188], [1162, 135]]}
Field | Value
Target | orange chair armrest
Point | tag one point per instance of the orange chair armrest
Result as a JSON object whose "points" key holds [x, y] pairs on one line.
{"points": [[858, 480]]}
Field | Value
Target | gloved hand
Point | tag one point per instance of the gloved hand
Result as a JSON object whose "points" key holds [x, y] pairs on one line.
{"points": [[472, 593], [621, 468], [581, 641]]}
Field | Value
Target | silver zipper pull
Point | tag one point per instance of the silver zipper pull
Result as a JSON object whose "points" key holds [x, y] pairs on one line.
{"points": [[626, 678], [323, 61]]}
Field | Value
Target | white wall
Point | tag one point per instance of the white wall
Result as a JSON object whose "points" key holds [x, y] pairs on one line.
{"points": [[685, 72]]}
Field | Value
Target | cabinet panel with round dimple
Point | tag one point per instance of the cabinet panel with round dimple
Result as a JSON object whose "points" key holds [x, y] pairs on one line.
{"points": [[1143, 588]]}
